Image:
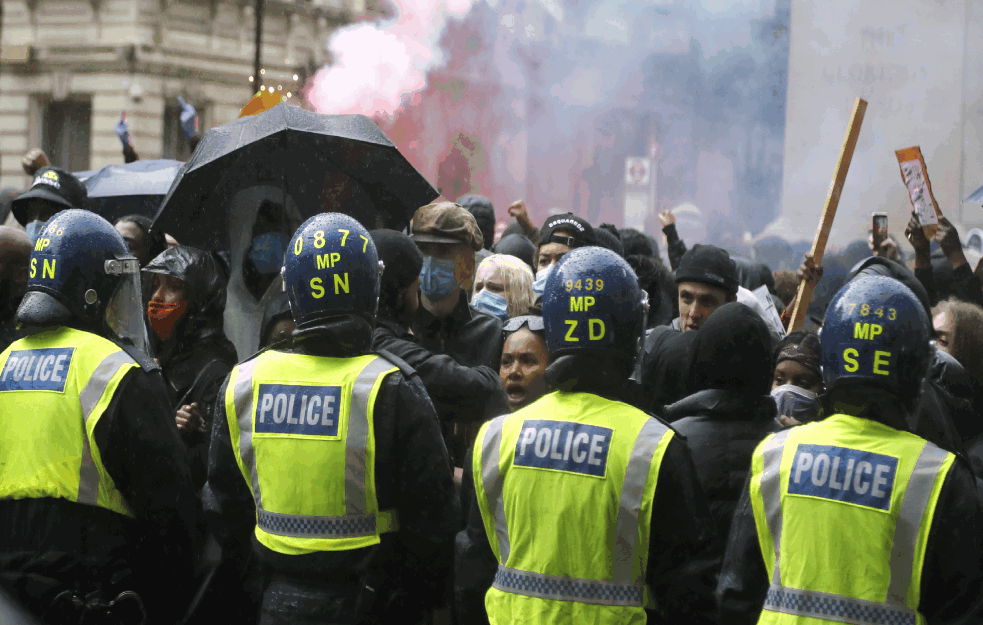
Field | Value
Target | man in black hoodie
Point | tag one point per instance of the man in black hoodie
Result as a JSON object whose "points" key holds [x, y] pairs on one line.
{"points": [[729, 410]]}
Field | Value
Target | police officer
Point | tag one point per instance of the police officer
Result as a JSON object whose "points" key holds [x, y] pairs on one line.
{"points": [[331, 456], [853, 518], [95, 488], [588, 510]]}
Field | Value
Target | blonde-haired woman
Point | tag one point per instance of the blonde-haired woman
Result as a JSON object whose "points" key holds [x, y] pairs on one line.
{"points": [[503, 287]]}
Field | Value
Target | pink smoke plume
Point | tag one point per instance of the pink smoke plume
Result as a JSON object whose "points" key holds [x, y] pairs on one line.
{"points": [[376, 64]]}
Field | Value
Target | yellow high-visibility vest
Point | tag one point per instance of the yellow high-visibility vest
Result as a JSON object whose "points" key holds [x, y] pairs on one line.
{"points": [[843, 508], [303, 432], [54, 388], [566, 487]]}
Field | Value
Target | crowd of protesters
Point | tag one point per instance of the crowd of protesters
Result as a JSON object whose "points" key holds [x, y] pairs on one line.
{"points": [[462, 310]]}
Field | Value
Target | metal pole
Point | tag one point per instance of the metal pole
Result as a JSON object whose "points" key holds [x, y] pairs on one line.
{"points": [[257, 61]]}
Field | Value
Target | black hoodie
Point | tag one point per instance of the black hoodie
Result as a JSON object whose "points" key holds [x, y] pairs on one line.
{"points": [[663, 379], [729, 409]]}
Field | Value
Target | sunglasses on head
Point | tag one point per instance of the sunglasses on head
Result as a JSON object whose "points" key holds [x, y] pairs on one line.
{"points": [[535, 323]]}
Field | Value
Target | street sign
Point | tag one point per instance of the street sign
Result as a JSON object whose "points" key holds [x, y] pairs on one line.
{"points": [[638, 171]]}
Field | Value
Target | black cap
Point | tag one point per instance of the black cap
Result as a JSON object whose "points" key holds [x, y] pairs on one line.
{"points": [[582, 234], [401, 257], [54, 185], [708, 265]]}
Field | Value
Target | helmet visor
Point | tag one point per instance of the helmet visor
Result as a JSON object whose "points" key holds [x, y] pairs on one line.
{"points": [[636, 375], [124, 312]]}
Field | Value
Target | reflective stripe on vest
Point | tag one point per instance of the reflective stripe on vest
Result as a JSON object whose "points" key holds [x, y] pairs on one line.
{"points": [[357, 521], [622, 590], [93, 391], [832, 607]]}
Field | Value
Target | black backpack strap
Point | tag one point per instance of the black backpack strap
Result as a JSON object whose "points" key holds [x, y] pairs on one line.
{"points": [[398, 362]]}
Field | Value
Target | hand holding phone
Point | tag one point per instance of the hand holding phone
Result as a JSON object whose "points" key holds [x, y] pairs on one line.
{"points": [[878, 229]]}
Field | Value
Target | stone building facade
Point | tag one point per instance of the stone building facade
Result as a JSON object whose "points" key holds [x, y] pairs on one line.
{"points": [[70, 67]]}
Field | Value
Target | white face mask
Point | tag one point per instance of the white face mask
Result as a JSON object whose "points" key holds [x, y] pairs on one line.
{"points": [[541, 277], [796, 402]]}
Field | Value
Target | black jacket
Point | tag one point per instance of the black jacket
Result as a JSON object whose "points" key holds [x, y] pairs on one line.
{"points": [[459, 393], [683, 552], [946, 414], [952, 573], [722, 429], [729, 409], [49, 545], [677, 247], [195, 376], [467, 335], [412, 475]]}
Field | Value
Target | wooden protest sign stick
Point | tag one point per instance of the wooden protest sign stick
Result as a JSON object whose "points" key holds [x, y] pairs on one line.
{"points": [[804, 297]]}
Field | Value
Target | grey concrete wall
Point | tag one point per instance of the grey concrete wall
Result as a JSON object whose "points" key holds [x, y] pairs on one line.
{"points": [[923, 79]]}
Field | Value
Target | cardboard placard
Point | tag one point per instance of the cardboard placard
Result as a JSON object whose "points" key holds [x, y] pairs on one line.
{"points": [[914, 174]]}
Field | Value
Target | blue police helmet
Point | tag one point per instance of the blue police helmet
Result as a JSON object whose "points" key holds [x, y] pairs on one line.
{"points": [[331, 268], [70, 276], [876, 333], [592, 304]]}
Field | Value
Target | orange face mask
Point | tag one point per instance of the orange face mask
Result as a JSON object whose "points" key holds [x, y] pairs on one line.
{"points": [[163, 317]]}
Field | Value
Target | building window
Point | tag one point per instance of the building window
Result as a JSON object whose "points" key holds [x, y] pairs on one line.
{"points": [[176, 144], [66, 133]]}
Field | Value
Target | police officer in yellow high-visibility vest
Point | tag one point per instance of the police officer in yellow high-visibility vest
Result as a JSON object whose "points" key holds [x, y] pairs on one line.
{"points": [[587, 509], [329, 457], [854, 519], [95, 488]]}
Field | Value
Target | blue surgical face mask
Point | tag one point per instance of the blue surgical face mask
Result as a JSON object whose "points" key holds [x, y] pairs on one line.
{"points": [[34, 229], [437, 278], [796, 402], [491, 303], [267, 252], [541, 277]]}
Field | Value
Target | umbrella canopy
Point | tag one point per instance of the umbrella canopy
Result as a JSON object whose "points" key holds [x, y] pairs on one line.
{"points": [[320, 163], [138, 187]]}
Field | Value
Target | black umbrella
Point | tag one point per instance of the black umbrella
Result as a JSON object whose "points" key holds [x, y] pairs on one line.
{"points": [[133, 188], [323, 163]]}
